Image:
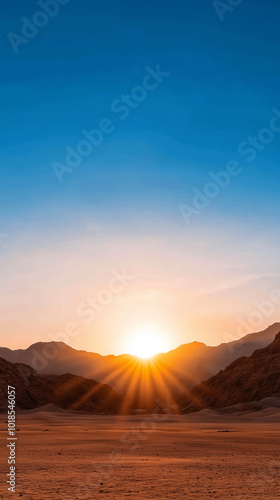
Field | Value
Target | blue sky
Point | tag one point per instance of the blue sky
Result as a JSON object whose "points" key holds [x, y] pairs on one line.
{"points": [[222, 86]]}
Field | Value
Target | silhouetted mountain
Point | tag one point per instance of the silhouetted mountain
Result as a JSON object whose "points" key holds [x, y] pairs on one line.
{"points": [[65, 391], [246, 379], [183, 367]]}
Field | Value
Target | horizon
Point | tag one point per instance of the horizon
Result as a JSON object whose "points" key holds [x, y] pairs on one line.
{"points": [[135, 355], [139, 180], [139, 249]]}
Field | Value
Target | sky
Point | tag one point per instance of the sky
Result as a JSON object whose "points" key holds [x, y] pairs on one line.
{"points": [[176, 93]]}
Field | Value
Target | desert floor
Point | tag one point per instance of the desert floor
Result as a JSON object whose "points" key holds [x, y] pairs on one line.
{"points": [[205, 455]]}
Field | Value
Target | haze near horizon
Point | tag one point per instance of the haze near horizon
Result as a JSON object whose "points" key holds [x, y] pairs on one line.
{"points": [[171, 222]]}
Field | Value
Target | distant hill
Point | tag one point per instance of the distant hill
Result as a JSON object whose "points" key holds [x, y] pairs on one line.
{"points": [[183, 367], [245, 380], [65, 391]]}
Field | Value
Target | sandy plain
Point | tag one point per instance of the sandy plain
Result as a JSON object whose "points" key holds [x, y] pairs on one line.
{"points": [[66, 456]]}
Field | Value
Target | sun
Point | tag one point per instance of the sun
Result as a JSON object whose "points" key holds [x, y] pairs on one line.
{"points": [[145, 343]]}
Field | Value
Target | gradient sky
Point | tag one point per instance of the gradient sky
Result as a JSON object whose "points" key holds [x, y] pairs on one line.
{"points": [[119, 208]]}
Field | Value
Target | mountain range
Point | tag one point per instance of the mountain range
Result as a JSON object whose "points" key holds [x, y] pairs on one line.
{"points": [[180, 368], [65, 391], [84, 381], [247, 379]]}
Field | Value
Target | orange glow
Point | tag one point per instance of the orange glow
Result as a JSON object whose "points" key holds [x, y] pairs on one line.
{"points": [[145, 343]]}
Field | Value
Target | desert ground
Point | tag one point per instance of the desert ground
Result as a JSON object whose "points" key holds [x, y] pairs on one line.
{"points": [[67, 456]]}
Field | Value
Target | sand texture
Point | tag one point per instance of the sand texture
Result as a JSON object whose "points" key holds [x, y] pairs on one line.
{"points": [[199, 456]]}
